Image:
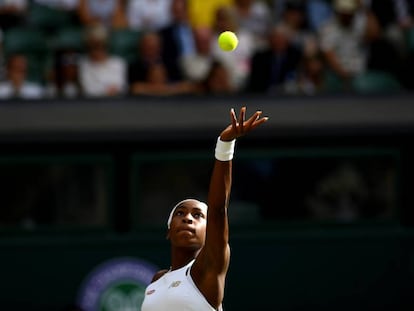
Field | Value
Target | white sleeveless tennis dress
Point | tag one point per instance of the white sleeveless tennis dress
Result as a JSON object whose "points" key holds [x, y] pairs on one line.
{"points": [[175, 291]]}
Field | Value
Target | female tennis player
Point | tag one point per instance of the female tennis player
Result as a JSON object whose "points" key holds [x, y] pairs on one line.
{"points": [[199, 236]]}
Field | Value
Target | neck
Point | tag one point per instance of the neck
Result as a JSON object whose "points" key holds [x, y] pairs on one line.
{"points": [[182, 256]]}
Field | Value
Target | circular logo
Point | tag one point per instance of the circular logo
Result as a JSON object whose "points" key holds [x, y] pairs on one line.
{"points": [[116, 285]]}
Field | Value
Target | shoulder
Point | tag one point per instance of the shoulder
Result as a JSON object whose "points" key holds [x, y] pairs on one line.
{"points": [[84, 62], [158, 275], [5, 85], [32, 90], [116, 61], [5, 90]]}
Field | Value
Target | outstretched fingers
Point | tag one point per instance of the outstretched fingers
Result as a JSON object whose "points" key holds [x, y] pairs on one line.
{"points": [[258, 122], [233, 118], [253, 118], [239, 126], [242, 117]]}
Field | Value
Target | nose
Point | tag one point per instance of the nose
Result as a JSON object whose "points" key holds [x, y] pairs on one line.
{"points": [[188, 218]]}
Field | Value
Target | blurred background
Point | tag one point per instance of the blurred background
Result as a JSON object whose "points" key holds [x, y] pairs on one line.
{"points": [[109, 113]]}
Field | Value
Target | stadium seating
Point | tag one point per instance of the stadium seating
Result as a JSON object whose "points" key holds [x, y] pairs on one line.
{"points": [[124, 43], [48, 19], [69, 38], [375, 82]]}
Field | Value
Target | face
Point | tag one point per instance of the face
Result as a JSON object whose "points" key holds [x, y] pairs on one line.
{"points": [[202, 38], [150, 47], [188, 225], [179, 10], [279, 41], [97, 50], [294, 18], [17, 69]]}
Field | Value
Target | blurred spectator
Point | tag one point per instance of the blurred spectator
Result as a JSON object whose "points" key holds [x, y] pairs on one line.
{"points": [[388, 51], [238, 61], [177, 39], [66, 5], [344, 39], [12, 13], [310, 78], [254, 16], [101, 74], [157, 84], [149, 54], [65, 75], [218, 81], [16, 84], [202, 13], [148, 15], [394, 19], [384, 56], [275, 66], [317, 11], [196, 66], [294, 17], [110, 13], [342, 195]]}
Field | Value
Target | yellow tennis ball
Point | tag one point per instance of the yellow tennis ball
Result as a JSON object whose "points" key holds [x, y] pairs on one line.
{"points": [[228, 41]]}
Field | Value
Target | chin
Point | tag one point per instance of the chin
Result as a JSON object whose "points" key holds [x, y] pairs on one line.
{"points": [[190, 245]]}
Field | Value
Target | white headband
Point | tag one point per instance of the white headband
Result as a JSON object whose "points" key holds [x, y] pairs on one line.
{"points": [[179, 204]]}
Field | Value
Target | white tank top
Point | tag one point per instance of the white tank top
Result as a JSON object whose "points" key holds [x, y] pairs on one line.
{"points": [[175, 291]]}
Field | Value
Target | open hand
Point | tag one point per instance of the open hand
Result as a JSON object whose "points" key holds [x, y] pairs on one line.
{"points": [[240, 126]]}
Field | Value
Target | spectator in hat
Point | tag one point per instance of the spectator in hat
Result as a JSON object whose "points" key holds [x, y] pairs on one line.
{"points": [[344, 39], [101, 74]]}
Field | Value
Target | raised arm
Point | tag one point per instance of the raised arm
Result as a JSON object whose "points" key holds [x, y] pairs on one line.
{"points": [[211, 265]]}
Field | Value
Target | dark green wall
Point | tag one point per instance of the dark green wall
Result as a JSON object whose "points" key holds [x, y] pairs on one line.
{"points": [[310, 269]]}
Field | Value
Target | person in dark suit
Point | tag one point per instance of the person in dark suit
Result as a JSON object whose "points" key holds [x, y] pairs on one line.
{"points": [[149, 53], [177, 39], [272, 67]]}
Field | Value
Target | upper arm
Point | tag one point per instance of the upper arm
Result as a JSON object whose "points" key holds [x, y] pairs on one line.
{"points": [[214, 257]]}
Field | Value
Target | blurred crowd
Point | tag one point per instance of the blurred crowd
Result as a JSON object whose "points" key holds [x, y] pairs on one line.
{"points": [[103, 48]]}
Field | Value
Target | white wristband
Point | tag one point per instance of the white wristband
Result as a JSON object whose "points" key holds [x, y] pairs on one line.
{"points": [[224, 149]]}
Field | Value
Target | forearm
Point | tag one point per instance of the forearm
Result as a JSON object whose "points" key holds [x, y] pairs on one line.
{"points": [[218, 196], [220, 184], [220, 187]]}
